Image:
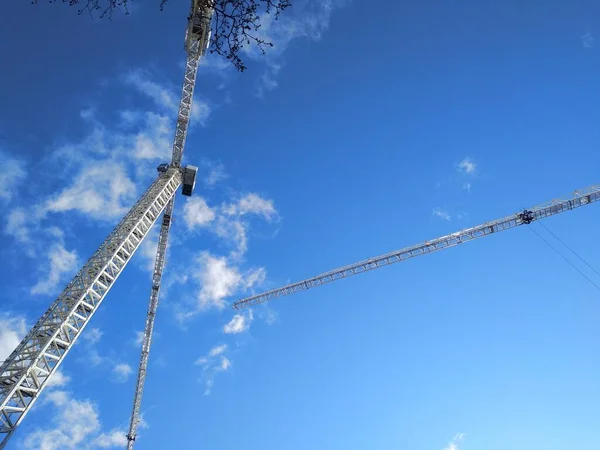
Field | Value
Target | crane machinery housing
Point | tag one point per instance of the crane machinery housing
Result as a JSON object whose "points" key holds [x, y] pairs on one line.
{"points": [[27, 370]]}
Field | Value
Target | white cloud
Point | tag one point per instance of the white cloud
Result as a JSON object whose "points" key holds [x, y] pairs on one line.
{"points": [[307, 19], [12, 330], [122, 372], [153, 141], [201, 361], [213, 363], [453, 445], [230, 226], [234, 231], [147, 250], [75, 425], [268, 315], [139, 338], [439, 212], [254, 204], [209, 385], [215, 174], [142, 422], [218, 280], [251, 204], [224, 365], [102, 190], [159, 94], [587, 40], [239, 323], [18, 225], [92, 335], [58, 379], [60, 262], [467, 187], [167, 99], [467, 166], [215, 351], [93, 358], [12, 175], [114, 438], [197, 213], [74, 422]]}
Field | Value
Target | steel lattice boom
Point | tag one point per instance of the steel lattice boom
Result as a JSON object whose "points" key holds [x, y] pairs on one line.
{"points": [[580, 198], [196, 41], [27, 370]]}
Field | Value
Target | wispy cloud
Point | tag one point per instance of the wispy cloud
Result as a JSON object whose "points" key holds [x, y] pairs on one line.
{"points": [[308, 19], [92, 335], [111, 439], [467, 166], [220, 276], [453, 444], [122, 372], [218, 280], [139, 338], [216, 173], [216, 351], [442, 214], [212, 363], [60, 262], [197, 213], [239, 323], [224, 364], [12, 329], [102, 191], [165, 98], [58, 379], [587, 40], [75, 425], [11, 177]]}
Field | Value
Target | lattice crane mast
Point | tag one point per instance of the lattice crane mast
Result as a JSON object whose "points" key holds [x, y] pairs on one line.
{"points": [[27, 370], [580, 198], [197, 39]]}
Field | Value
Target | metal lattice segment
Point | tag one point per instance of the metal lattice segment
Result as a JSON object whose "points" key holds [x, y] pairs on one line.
{"points": [[159, 265], [580, 198], [196, 41], [27, 370], [185, 106]]}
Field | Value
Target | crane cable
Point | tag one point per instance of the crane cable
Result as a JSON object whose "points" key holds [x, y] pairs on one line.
{"points": [[564, 257]]}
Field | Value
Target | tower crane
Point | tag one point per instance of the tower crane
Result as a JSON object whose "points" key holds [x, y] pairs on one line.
{"points": [[197, 40], [579, 198], [27, 370]]}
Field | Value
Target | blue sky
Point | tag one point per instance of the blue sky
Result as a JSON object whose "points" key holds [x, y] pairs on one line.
{"points": [[361, 132]]}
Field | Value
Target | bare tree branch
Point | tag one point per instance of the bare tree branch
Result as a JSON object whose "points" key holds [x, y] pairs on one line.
{"points": [[236, 23]]}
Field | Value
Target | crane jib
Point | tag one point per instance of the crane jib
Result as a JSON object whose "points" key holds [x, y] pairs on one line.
{"points": [[580, 198]]}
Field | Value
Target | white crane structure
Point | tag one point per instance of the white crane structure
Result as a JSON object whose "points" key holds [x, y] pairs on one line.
{"points": [[27, 370], [580, 198]]}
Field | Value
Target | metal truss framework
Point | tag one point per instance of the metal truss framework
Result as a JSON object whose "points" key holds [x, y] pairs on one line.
{"points": [[580, 198], [26, 371], [185, 107], [159, 265], [196, 41]]}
